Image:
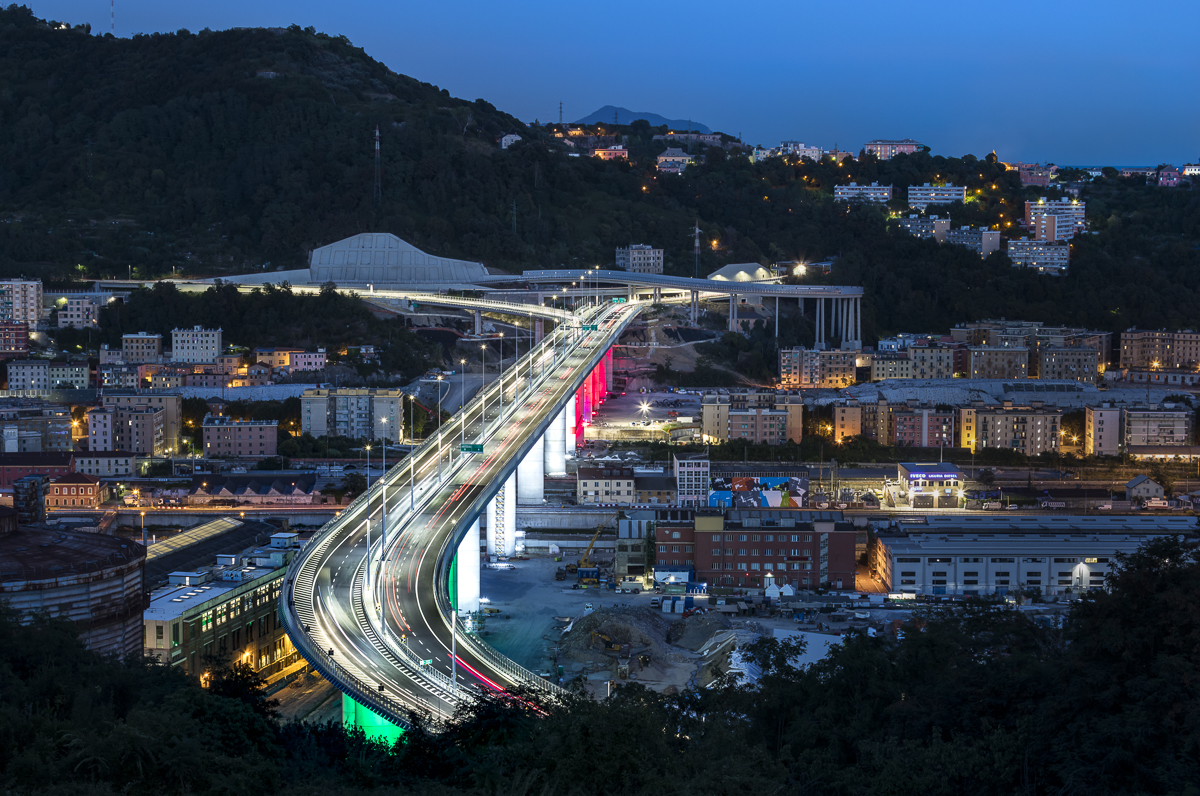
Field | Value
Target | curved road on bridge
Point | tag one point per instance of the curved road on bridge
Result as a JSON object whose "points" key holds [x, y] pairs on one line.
{"points": [[384, 636]]}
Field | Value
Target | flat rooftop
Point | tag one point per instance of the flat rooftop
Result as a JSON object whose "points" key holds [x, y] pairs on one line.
{"points": [[35, 553], [171, 601], [942, 524]]}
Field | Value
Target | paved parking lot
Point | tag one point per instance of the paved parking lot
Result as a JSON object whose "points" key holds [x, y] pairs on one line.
{"points": [[625, 410]]}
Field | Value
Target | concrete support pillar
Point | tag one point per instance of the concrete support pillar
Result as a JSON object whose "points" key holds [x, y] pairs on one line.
{"points": [[608, 370], [777, 316], [695, 305], [554, 455], [466, 571], [502, 520], [820, 325], [531, 475], [858, 321], [539, 330], [572, 428], [478, 322]]}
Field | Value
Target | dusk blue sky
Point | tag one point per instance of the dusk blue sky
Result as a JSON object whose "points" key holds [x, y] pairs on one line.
{"points": [[1092, 82]]}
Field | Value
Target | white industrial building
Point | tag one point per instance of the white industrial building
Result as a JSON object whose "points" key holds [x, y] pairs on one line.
{"points": [[967, 556]]}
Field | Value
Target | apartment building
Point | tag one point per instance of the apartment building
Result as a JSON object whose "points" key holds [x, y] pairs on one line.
{"points": [[966, 424], [1032, 335], [1029, 429], [1077, 363], [101, 422], [1160, 426], [639, 258], [604, 485], [921, 196], [886, 149], [142, 347], [226, 437], [31, 427], [891, 366], [29, 375], [997, 362], [1102, 433], [931, 362], [273, 357], [140, 429], [862, 193], [847, 421], [673, 161], [80, 312], [14, 339], [1004, 556], [692, 481], [759, 417], [309, 360], [68, 375], [1073, 209], [1035, 175], [921, 427], [1146, 348], [808, 368], [354, 413], [21, 301], [105, 464], [754, 547], [980, 240], [800, 150], [1047, 256], [925, 226], [1050, 227], [196, 345], [170, 402], [655, 490]]}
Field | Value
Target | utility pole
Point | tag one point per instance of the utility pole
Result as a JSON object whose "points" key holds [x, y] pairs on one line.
{"points": [[696, 247], [378, 192], [560, 112]]}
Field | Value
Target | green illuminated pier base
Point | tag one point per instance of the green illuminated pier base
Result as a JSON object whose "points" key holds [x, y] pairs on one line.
{"points": [[370, 722]]}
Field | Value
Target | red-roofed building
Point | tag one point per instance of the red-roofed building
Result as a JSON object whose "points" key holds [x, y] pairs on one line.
{"points": [[14, 466], [75, 491]]}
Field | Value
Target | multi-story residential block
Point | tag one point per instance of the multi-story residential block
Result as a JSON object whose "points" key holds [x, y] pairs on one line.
{"points": [[1102, 432], [604, 485], [921, 427], [980, 240], [1144, 348], [862, 193], [141, 347], [270, 357], [129, 376], [1073, 209], [998, 555], [29, 374], [196, 345], [1159, 426], [80, 312], [997, 362], [891, 366], [1034, 174], [921, 196], [806, 368], [354, 413], [1048, 257], [674, 161], [170, 402], [764, 416], [68, 375], [837, 367], [224, 436], [1050, 227], [102, 429], [1077, 363], [1032, 335], [799, 149], [617, 152], [886, 149], [1169, 177], [75, 491], [1029, 429], [29, 427], [105, 464], [966, 424], [931, 362], [14, 339], [309, 360], [21, 301], [691, 479], [639, 258], [925, 227], [847, 421], [139, 429]]}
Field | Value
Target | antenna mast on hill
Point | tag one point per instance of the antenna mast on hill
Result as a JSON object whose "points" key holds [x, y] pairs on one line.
{"points": [[696, 247], [112, 17], [560, 111], [378, 190]]}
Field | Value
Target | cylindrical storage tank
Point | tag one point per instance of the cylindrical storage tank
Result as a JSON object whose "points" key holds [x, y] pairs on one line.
{"points": [[95, 581]]}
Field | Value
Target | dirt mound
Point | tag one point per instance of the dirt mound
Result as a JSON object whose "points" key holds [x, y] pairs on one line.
{"points": [[641, 628], [692, 632]]}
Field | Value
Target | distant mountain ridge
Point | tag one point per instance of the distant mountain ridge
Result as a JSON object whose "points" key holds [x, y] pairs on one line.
{"points": [[625, 116]]}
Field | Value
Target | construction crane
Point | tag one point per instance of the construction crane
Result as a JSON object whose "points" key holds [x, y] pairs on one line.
{"points": [[586, 561]]}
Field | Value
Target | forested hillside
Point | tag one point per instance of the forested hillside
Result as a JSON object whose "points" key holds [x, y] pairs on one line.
{"points": [[216, 152]]}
